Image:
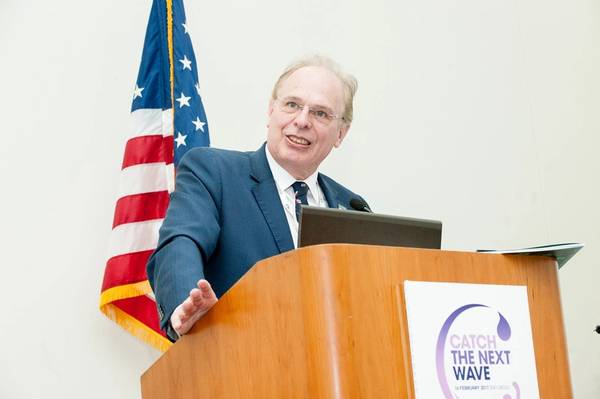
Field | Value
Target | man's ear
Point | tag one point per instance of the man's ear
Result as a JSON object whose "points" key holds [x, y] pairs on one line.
{"points": [[342, 132], [270, 109], [269, 112]]}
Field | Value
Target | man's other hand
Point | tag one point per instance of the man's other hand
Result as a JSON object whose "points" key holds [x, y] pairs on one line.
{"points": [[199, 302]]}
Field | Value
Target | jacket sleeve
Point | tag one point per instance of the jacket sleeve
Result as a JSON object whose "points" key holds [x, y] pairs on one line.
{"points": [[189, 233]]}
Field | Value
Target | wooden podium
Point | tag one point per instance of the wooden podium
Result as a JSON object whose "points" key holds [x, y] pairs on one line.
{"points": [[329, 321]]}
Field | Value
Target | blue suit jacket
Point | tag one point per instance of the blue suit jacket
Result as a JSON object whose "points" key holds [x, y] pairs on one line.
{"points": [[224, 216]]}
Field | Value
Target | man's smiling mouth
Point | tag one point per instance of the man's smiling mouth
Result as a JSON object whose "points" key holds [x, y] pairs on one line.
{"points": [[298, 140]]}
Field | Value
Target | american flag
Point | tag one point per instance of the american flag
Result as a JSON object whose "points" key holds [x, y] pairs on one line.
{"points": [[168, 119]]}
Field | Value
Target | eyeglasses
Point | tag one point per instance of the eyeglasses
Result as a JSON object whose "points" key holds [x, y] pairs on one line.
{"points": [[317, 114]]}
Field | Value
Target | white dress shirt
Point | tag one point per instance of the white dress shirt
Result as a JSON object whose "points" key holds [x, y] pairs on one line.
{"points": [[284, 181]]}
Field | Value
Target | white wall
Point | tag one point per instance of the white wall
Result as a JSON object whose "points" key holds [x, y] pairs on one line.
{"points": [[481, 113]]}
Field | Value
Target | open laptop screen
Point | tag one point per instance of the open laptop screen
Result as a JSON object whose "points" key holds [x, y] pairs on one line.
{"points": [[327, 226]]}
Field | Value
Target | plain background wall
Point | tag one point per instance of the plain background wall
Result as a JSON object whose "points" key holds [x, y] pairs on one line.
{"points": [[482, 113]]}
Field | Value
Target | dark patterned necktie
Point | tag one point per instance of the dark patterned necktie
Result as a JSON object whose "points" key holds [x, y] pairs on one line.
{"points": [[300, 191]]}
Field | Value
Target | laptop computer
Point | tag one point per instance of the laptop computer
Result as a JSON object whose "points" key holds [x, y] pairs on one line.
{"points": [[328, 225]]}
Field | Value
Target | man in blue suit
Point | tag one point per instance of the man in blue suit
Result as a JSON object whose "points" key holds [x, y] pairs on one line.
{"points": [[231, 209]]}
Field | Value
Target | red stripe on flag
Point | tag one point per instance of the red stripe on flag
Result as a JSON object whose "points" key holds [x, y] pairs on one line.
{"points": [[125, 269], [148, 149], [141, 207], [143, 309], [168, 149]]}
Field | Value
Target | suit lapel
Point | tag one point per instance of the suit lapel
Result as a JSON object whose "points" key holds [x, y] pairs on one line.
{"points": [[331, 195], [267, 198]]}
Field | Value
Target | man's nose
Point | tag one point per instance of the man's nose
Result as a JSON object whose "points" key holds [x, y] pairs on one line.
{"points": [[302, 120]]}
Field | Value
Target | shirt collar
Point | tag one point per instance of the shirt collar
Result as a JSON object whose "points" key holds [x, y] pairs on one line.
{"points": [[283, 179]]}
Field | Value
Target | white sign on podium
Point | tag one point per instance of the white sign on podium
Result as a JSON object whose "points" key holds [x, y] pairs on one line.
{"points": [[470, 341]]}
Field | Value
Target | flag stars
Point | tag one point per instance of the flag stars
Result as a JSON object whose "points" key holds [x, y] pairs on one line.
{"points": [[185, 28], [180, 139], [137, 92], [197, 86], [199, 124], [183, 100], [187, 64]]}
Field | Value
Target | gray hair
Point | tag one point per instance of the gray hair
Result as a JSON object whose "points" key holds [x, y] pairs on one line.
{"points": [[348, 81]]}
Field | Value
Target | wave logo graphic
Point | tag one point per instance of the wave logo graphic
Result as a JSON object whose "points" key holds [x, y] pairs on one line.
{"points": [[472, 364]]}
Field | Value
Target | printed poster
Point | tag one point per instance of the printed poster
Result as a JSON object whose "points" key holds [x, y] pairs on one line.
{"points": [[470, 341]]}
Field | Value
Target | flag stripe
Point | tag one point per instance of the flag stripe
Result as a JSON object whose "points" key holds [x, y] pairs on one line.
{"points": [[144, 178], [136, 327], [167, 122], [141, 308], [125, 269], [134, 237], [146, 121], [141, 207], [151, 121], [148, 149]]}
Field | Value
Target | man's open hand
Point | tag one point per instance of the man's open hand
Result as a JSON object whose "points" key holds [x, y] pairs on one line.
{"points": [[199, 302]]}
